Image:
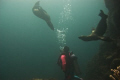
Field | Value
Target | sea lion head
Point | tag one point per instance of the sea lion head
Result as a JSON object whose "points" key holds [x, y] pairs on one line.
{"points": [[36, 7], [37, 3]]}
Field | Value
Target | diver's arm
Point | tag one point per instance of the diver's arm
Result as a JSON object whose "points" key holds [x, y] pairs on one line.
{"points": [[63, 62]]}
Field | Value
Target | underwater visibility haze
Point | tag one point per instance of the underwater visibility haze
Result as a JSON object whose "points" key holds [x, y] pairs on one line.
{"points": [[30, 49]]}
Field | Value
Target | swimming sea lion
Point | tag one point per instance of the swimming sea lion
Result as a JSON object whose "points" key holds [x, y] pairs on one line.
{"points": [[41, 13], [102, 25], [97, 34]]}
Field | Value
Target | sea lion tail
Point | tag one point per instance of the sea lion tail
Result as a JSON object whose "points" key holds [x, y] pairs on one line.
{"points": [[49, 23], [102, 14]]}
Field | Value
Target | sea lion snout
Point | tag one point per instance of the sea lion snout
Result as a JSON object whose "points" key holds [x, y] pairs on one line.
{"points": [[36, 10]]}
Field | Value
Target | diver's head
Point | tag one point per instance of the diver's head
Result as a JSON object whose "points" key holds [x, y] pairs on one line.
{"points": [[66, 49]]}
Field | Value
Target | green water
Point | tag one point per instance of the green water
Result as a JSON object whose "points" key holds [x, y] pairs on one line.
{"points": [[30, 49]]}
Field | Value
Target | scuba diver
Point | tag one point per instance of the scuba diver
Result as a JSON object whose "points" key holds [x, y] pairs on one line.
{"points": [[68, 63], [41, 13], [97, 34]]}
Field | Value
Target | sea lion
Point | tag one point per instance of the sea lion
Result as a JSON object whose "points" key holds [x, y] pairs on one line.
{"points": [[41, 13], [102, 25], [97, 34]]}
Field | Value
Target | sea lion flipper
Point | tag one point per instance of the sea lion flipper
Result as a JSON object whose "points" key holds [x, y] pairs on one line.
{"points": [[105, 38], [101, 11], [88, 38], [91, 38], [102, 14], [84, 38], [49, 23]]}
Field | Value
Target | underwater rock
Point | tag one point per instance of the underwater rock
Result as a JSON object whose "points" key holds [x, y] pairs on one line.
{"points": [[108, 56], [115, 62], [113, 18], [111, 4]]}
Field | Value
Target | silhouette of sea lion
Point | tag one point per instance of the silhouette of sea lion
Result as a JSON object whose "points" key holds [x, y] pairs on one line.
{"points": [[97, 34], [102, 25], [41, 13]]}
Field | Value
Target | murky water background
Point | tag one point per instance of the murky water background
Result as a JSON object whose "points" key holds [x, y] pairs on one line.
{"points": [[29, 49]]}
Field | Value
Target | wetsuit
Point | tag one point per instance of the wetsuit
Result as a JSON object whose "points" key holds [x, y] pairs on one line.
{"points": [[67, 65]]}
